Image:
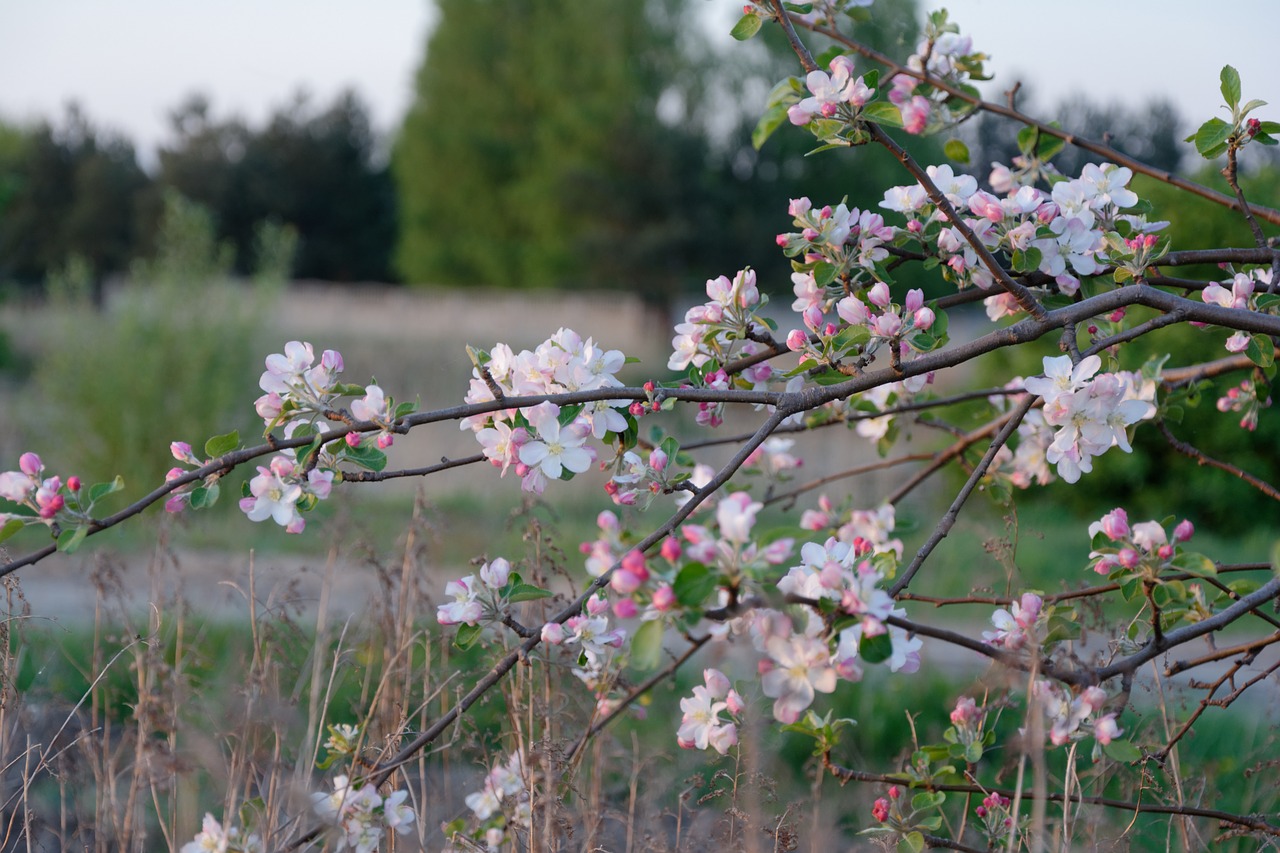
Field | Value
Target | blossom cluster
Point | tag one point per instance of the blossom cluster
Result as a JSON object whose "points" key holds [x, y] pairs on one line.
{"points": [[591, 635], [1015, 628], [283, 488], [545, 442], [1060, 233], [42, 498], [301, 397], [470, 596], [718, 330], [1142, 547], [1092, 413], [1241, 292], [831, 94], [1243, 398], [213, 837], [942, 55], [701, 726], [360, 815], [504, 800], [1065, 713]]}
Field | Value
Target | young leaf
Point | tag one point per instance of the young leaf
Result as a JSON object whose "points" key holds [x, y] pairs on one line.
{"points": [[747, 26], [526, 592], [467, 636], [693, 584], [98, 491], [70, 540], [646, 646], [1211, 138], [773, 118], [221, 444], [882, 112], [1230, 86], [11, 527], [955, 149], [1122, 751]]}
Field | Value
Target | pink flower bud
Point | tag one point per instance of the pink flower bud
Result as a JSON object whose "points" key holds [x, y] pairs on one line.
{"points": [[636, 408], [173, 474], [915, 300], [664, 598], [880, 810], [649, 387], [658, 460], [181, 451], [797, 340], [879, 295], [915, 226], [1115, 524], [1129, 558], [799, 206], [385, 440], [597, 605], [812, 317], [633, 561], [625, 608], [670, 549], [30, 464], [73, 484], [810, 234], [894, 792], [553, 633], [1184, 531], [782, 240], [353, 441], [1165, 552], [923, 318]]}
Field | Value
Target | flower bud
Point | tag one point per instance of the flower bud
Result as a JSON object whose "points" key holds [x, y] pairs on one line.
{"points": [[1184, 531], [625, 608], [30, 464], [658, 460], [879, 295], [797, 340], [664, 598], [385, 440], [670, 549], [553, 633], [73, 484]]}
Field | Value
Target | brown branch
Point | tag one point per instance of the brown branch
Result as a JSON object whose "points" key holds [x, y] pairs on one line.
{"points": [[1203, 459]]}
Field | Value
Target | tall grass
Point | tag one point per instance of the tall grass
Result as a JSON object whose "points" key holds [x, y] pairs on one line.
{"points": [[168, 357]]}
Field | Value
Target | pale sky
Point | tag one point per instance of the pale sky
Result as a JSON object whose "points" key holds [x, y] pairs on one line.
{"points": [[129, 62]]}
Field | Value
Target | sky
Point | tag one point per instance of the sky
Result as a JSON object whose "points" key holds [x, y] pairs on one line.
{"points": [[130, 62]]}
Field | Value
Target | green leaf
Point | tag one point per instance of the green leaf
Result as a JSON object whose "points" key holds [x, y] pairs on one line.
{"points": [[70, 540], [927, 800], [912, 842], [646, 645], [693, 584], [11, 527], [1122, 751], [221, 444], [1230, 86], [526, 592], [773, 118], [882, 112], [1194, 564], [405, 408], [98, 491], [876, 649], [1251, 106], [1211, 138], [955, 149], [747, 27], [203, 497], [366, 456], [973, 753], [467, 636], [1261, 351]]}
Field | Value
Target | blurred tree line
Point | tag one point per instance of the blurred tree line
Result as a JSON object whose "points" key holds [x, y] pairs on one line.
{"points": [[73, 191]]}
